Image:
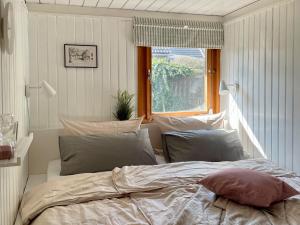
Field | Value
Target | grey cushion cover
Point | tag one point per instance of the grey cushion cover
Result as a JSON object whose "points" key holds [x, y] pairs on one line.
{"points": [[202, 145], [87, 154]]}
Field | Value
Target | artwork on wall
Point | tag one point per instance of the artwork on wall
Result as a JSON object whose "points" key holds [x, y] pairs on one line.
{"points": [[81, 56]]}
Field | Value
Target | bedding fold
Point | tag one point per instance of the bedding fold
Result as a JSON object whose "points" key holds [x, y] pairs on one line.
{"points": [[160, 194]]}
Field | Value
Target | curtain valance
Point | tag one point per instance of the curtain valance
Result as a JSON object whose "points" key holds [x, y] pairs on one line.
{"points": [[177, 33]]}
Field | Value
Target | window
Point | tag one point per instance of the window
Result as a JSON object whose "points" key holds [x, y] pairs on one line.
{"points": [[177, 81]]}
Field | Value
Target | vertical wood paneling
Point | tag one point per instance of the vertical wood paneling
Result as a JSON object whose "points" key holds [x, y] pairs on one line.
{"points": [[245, 78], [81, 93], [296, 86], [268, 86], [106, 78], [69, 36], [14, 74], [52, 69], [42, 59], [77, 86], [275, 85], [261, 80], [282, 85], [256, 66], [241, 62], [250, 95], [289, 125], [266, 68], [62, 91], [33, 42], [131, 61], [98, 85], [122, 55], [89, 73], [114, 61]]}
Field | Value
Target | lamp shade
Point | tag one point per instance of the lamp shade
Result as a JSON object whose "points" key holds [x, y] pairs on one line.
{"points": [[48, 88], [223, 90]]}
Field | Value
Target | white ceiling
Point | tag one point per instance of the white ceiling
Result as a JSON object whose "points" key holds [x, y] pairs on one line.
{"points": [[204, 7]]}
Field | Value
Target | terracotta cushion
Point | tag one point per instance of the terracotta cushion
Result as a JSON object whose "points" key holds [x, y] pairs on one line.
{"points": [[248, 187]]}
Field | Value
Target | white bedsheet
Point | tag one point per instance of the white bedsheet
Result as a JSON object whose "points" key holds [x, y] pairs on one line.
{"points": [[54, 167], [166, 194], [53, 171]]}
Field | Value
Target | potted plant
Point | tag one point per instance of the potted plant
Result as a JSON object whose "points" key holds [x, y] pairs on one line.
{"points": [[124, 108]]}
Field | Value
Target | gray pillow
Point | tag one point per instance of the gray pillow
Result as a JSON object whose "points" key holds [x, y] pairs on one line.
{"points": [[88, 154], [202, 145]]}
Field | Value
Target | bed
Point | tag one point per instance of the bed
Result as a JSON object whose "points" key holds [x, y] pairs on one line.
{"points": [[161, 194]]}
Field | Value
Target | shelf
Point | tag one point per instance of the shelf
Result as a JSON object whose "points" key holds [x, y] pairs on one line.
{"points": [[21, 151]]}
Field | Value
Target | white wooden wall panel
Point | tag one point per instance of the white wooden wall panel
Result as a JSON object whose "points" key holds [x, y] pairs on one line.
{"points": [[14, 75], [259, 53], [289, 123], [296, 82], [81, 93]]}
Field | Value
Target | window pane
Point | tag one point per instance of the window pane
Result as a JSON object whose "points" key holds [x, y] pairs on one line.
{"points": [[178, 79]]}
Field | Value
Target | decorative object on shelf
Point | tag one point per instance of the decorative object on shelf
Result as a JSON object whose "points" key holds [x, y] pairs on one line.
{"points": [[8, 136], [50, 91], [81, 56], [225, 88], [8, 27], [124, 108]]}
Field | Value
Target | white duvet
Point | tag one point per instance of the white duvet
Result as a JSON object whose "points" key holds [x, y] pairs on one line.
{"points": [[161, 194]]}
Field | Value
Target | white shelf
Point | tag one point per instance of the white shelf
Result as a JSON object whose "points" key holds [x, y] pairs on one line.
{"points": [[21, 151]]}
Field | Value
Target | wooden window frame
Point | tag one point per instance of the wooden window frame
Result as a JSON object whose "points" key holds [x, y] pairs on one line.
{"points": [[212, 98]]}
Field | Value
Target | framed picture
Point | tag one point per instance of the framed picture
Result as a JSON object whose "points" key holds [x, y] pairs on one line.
{"points": [[81, 56]]}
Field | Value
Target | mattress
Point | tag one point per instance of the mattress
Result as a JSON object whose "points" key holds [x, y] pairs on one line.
{"points": [[54, 167]]}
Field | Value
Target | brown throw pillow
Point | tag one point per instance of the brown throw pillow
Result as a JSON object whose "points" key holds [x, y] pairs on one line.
{"points": [[248, 187]]}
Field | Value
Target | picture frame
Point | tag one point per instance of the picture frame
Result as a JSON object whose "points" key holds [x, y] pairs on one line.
{"points": [[80, 56]]}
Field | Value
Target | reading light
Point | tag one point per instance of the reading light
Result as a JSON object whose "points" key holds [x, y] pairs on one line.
{"points": [[50, 91], [224, 88]]}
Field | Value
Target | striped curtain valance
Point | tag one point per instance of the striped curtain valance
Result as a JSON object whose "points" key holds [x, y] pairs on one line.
{"points": [[150, 32]]}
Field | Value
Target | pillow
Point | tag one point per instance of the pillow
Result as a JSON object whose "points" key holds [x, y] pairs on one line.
{"points": [[87, 154], [189, 123], [99, 128], [248, 187], [202, 145]]}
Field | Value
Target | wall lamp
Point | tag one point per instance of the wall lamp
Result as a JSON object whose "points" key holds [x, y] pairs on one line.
{"points": [[225, 88], [50, 91]]}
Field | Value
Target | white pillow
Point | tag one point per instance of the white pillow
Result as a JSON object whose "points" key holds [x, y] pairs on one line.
{"points": [[201, 122], [101, 128]]}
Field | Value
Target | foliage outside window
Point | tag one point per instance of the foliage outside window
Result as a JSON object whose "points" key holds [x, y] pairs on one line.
{"points": [[178, 80]]}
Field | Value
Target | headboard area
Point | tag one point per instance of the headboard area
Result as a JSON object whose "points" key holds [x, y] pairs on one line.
{"points": [[44, 147]]}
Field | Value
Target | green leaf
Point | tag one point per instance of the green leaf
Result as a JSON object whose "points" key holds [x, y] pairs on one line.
{"points": [[124, 109]]}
